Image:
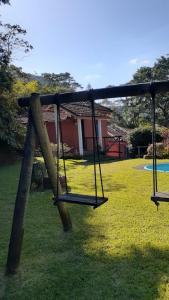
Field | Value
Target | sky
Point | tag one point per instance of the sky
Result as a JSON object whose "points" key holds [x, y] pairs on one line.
{"points": [[101, 42]]}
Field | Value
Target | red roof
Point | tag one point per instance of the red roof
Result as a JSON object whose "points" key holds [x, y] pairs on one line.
{"points": [[75, 109], [84, 109], [115, 130]]}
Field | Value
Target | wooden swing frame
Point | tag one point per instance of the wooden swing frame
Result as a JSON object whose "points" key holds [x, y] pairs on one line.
{"points": [[37, 128]]}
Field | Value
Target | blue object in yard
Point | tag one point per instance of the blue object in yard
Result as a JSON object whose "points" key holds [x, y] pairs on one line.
{"points": [[160, 167]]}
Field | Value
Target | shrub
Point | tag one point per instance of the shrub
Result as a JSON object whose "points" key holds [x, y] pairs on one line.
{"points": [[66, 149], [161, 151], [38, 173], [142, 136], [12, 132]]}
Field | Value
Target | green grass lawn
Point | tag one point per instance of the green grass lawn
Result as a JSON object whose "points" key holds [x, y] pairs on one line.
{"points": [[118, 251]]}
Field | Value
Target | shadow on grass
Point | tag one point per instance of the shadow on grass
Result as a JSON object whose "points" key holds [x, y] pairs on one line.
{"points": [[72, 270], [56, 265], [88, 160], [109, 187]]}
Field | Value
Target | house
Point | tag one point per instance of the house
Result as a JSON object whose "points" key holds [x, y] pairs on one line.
{"points": [[76, 124], [77, 129], [117, 142]]}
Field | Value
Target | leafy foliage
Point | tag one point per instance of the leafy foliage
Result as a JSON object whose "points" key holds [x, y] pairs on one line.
{"points": [[142, 136], [117, 117], [4, 2], [66, 149], [38, 173], [138, 110], [11, 132], [161, 151], [22, 88], [11, 39], [62, 80]]}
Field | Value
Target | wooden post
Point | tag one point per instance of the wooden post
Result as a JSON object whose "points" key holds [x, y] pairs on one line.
{"points": [[42, 134], [17, 232]]}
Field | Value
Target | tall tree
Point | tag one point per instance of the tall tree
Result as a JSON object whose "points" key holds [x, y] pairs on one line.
{"points": [[116, 107], [138, 110], [11, 38], [63, 80], [4, 2]]}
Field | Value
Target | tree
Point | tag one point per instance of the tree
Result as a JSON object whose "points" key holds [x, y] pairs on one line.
{"points": [[138, 110], [116, 108], [11, 38], [4, 2], [89, 87], [23, 88], [62, 80], [142, 136]]}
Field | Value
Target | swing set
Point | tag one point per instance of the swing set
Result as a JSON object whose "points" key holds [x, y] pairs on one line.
{"points": [[95, 200], [36, 128]]}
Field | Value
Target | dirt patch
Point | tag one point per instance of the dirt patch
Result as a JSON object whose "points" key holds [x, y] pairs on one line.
{"points": [[140, 167]]}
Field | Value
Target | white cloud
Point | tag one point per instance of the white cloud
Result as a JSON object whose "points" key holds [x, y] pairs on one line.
{"points": [[92, 77], [133, 61], [145, 62], [137, 61]]}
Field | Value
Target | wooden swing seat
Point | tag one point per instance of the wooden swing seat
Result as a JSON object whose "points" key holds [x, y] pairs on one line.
{"points": [[160, 196], [80, 199]]}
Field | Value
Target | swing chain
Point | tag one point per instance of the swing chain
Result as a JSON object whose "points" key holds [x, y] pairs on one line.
{"points": [[95, 146], [155, 186], [60, 141]]}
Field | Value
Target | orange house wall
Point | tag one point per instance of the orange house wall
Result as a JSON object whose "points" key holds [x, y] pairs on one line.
{"points": [[69, 132], [114, 150], [104, 128], [70, 135], [51, 131], [89, 132]]}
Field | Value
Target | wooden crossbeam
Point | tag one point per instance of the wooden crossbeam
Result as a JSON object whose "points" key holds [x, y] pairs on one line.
{"points": [[104, 93]]}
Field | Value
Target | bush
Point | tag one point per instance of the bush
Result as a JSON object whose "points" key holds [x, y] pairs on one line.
{"points": [[142, 136], [38, 173], [12, 132], [66, 149], [161, 151]]}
